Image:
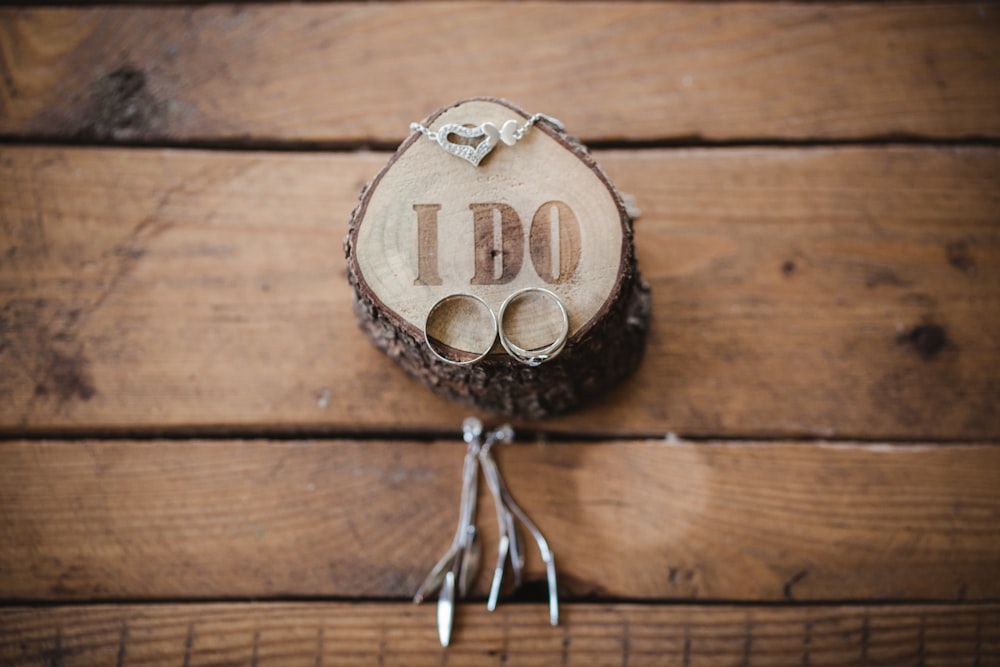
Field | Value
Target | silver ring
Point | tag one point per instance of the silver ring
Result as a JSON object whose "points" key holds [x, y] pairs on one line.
{"points": [[443, 348], [540, 355]]}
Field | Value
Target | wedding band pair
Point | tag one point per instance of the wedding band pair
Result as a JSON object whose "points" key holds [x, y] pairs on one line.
{"points": [[531, 357]]}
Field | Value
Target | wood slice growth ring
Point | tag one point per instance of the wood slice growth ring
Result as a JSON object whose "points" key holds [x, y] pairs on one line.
{"points": [[540, 213]]}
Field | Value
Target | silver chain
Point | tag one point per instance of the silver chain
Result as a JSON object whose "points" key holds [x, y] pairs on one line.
{"points": [[488, 135], [518, 133]]}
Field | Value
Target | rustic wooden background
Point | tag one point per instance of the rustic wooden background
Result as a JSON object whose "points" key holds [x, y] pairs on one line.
{"points": [[203, 462]]}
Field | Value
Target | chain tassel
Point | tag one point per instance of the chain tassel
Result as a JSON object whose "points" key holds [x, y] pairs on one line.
{"points": [[454, 573]]}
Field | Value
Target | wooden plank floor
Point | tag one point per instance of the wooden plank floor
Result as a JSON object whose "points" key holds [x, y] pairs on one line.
{"points": [[202, 461], [796, 292], [614, 71], [751, 522]]}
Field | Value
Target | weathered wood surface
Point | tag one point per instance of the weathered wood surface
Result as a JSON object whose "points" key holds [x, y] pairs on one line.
{"points": [[635, 519], [839, 292], [400, 634], [622, 71]]}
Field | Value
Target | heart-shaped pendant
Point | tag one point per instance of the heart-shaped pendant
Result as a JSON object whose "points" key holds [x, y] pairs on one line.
{"points": [[487, 131], [493, 135], [509, 132]]}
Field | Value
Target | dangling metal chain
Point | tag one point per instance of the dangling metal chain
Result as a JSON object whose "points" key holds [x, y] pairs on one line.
{"points": [[507, 509], [458, 567], [488, 136]]}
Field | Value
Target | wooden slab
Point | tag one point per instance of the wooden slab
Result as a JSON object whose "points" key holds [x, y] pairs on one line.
{"points": [[847, 292], [399, 634], [523, 254], [511, 188], [354, 72], [636, 519]]}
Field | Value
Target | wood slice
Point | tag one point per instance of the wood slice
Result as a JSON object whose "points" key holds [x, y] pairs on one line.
{"points": [[540, 214]]}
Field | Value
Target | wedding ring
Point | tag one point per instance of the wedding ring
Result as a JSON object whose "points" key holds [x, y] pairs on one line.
{"points": [[537, 355], [451, 315]]}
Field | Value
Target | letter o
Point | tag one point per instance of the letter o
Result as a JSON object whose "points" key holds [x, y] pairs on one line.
{"points": [[540, 242]]}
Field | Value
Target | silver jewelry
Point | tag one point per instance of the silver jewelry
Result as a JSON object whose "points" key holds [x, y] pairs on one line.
{"points": [[440, 349], [457, 569], [488, 134], [536, 356], [510, 543], [459, 565]]}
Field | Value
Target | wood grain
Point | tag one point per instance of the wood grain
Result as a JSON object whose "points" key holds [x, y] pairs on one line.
{"points": [[636, 519], [351, 72], [399, 634], [834, 292]]}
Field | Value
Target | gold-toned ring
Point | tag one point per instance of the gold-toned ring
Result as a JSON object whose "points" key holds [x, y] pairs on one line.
{"points": [[441, 353], [540, 355]]}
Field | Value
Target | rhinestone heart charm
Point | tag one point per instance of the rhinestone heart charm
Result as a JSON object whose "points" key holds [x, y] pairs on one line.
{"points": [[488, 135], [488, 132]]}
